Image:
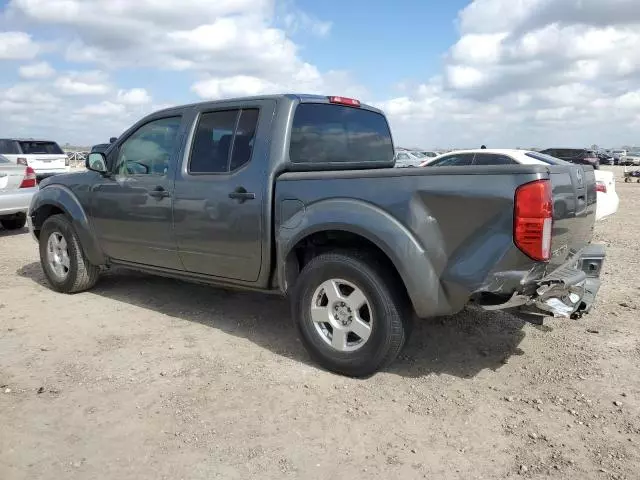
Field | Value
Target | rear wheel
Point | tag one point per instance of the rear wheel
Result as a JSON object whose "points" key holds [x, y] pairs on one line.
{"points": [[351, 315], [15, 222], [62, 258]]}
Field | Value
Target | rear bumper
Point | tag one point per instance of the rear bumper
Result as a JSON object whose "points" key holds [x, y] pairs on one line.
{"points": [[16, 201], [569, 292]]}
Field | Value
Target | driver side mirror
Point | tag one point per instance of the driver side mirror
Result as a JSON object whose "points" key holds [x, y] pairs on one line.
{"points": [[96, 162]]}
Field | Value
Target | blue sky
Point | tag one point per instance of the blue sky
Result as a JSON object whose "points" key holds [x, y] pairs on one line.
{"points": [[455, 73]]}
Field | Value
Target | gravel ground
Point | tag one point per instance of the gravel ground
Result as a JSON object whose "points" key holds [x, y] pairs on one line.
{"points": [[148, 378]]}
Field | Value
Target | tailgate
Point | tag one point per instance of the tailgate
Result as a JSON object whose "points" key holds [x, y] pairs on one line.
{"points": [[11, 177], [47, 162], [574, 210]]}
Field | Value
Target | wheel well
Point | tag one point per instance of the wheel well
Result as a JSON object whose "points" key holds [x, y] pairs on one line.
{"points": [[41, 214], [321, 242]]}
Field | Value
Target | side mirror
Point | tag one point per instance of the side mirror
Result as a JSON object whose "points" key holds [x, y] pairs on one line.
{"points": [[113, 139], [96, 162]]}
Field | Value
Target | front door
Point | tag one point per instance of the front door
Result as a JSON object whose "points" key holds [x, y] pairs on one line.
{"points": [[220, 191], [132, 209]]}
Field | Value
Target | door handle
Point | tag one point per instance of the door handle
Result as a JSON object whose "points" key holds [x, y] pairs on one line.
{"points": [[241, 195], [158, 192]]}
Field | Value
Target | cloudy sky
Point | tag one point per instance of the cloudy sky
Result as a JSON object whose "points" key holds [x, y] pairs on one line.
{"points": [[505, 73]]}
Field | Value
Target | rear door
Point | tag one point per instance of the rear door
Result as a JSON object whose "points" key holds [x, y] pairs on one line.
{"points": [[221, 188]]}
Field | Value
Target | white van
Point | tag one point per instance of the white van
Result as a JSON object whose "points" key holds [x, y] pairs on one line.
{"points": [[44, 156]]}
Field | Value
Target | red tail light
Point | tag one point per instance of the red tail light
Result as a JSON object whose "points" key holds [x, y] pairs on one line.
{"points": [[534, 219], [29, 180], [352, 102], [22, 161], [601, 187]]}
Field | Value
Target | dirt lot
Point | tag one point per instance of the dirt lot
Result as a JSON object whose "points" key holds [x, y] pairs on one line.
{"points": [[147, 378]]}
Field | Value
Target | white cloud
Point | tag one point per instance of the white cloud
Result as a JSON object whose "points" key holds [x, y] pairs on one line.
{"points": [[531, 72], [17, 46], [83, 83], [36, 71], [135, 96]]}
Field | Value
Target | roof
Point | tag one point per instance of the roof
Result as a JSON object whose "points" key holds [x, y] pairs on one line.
{"points": [[302, 97], [518, 155]]}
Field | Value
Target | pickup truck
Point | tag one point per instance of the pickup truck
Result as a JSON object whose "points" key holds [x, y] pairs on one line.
{"points": [[297, 195]]}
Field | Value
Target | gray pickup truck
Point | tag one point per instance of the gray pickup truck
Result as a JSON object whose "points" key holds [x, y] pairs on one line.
{"points": [[296, 195]]}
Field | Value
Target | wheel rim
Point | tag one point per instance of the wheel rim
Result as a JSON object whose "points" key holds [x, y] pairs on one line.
{"points": [[58, 256], [342, 315]]}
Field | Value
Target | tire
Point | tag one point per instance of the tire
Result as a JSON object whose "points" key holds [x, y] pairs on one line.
{"points": [[79, 275], [15, 222], [386, 310]]}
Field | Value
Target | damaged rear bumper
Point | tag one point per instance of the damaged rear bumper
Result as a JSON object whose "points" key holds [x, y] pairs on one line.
{"points": [[568, 292]]}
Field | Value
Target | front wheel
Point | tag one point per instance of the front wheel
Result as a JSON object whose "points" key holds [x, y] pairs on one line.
{"points": [[351, 313], [62, 258]]}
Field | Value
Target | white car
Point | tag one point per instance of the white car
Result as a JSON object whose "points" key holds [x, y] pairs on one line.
{"points": [[407, 158], [17, 186], [44, 156], [608, 200], [633, 158]]}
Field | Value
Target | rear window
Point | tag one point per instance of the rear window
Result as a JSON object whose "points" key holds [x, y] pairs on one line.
{"points": [[324, 134], [40, 148], [548, 159], [9, 147]]}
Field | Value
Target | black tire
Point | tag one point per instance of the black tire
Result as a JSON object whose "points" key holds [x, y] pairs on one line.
{"points": [[81, 274], [15, 222], [388, 301]]}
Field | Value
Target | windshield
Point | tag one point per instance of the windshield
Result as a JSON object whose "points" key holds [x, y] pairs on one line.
{"points": [[418, 154], [430, 154], [42, 148]]}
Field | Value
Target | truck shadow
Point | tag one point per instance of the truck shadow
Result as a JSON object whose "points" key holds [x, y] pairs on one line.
{"points": [[461, 345], [12, 233]]}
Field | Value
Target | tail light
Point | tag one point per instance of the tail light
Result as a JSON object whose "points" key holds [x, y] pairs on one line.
{"points": [[601, 187], [534, 219], [22, 161], [29, 180], [351, 102]]}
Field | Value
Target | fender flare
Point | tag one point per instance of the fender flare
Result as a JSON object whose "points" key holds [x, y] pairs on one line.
{"points": [[64, 199], [395, 240]]}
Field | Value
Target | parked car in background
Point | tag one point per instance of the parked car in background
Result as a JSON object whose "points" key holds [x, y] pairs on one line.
{"points": [[633, 158], [580, 156], [264, 193], [406, 158], [101, 147], [620, 156], [45, 157], [607, 197], [17, 186], [427, 154], [606, 158]]}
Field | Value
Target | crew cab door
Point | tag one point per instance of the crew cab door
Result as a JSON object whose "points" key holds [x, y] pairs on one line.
{"points": [[221, 188], [131, 208]]}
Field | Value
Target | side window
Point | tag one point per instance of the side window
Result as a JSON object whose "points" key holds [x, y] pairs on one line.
{"points": [[223, 141], [455, 160], [149, 149], [403, 156], [492, 159]]}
